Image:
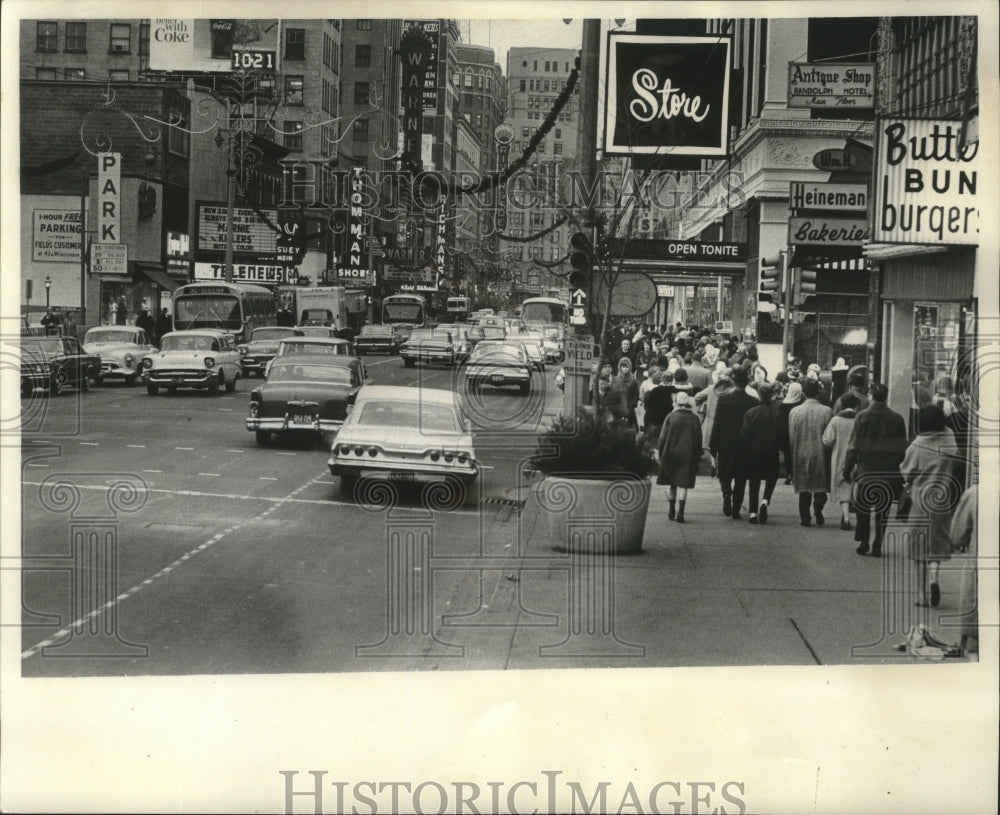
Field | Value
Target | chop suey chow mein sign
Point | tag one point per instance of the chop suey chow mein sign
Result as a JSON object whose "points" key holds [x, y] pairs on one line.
{"points": [[667, 95]]}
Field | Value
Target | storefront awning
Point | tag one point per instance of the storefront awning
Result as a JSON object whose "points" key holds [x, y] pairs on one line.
{"points": [[157, 275], [883, 251]]}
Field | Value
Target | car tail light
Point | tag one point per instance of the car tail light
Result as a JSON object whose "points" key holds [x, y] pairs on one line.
{"points": [[373, 451], [449, 457], [435, 455], [254, 409], [345, 449], [359, 450], [147, 363], [462, 458], [209, 362]]}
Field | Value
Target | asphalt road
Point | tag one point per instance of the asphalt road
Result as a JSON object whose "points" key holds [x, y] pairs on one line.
{"points": [[159, 539]]}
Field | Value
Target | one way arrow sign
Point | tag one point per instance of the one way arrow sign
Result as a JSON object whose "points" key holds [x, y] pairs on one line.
{"points": [[578, 297]]}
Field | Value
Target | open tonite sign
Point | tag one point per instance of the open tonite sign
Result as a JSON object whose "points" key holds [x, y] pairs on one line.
{"points": [[667, 95]]}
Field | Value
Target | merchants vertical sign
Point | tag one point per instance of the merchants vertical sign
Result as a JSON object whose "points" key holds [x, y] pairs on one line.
{"points": [[109, 197], [926, 183]]}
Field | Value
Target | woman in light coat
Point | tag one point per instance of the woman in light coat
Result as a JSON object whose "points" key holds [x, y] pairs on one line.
{"points": [[837, 437], [721, 382], [928, 471]]}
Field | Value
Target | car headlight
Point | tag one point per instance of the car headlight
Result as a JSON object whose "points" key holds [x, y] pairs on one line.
{"points": [[243, 350], [147, 363], [209, 362], [128, 360]]}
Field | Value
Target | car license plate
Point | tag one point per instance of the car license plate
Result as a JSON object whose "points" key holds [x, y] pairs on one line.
{"points": [[402, 476], [496, 379], [177, 380], [302, 418]]}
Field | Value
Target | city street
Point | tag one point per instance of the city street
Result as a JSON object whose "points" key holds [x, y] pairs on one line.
{"points": [[217, 556]]}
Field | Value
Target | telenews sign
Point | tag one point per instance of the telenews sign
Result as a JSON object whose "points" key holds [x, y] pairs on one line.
{"points": [[55, 235], [667, 95], [831, 85], [926, 185]]}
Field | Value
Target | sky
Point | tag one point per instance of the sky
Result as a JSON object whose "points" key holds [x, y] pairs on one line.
{"points": [[500, 35]]}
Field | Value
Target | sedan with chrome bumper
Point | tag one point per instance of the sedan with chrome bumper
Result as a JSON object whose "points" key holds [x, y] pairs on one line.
{"points": [[499, 364], [203, 358], [377, 339], [304, 394], [428, 346], [403, 434], [121, 348], [262, 347]]}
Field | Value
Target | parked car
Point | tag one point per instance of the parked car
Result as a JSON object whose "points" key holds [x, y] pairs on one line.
{"points": [[499, 364], [121, 348], [378, 339], [262, 347], [428, 345], [203, 358], [55, 363], [400, 434], [304, 393], [312, 345]]}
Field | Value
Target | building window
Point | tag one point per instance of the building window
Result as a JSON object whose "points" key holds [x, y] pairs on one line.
{"points": [[364, 25], [536, 64], [362, 56], [118, 76], [523, 85], [293, 135], [558, 132], [76, 37], [45, 37], [557, 148], [45, 73], [75, 74], [468, 79], [524, 132], [360, 130], [295, 43], [362, 92], [121, 38], [548, 65], [293, 90], [144, 39]]}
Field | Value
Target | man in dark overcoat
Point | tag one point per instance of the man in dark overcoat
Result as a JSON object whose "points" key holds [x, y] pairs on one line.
{"points": [[724, 443]]}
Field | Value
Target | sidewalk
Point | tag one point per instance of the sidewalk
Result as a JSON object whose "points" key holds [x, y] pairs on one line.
{"points": [[717, 591]]}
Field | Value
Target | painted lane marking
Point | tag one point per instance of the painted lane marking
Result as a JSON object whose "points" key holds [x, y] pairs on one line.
{"points": [[137, 446], [225, 410], [235, 451], [211, 475], [280, 453], [152, 471], [184, 448], [269, 478], [37, 465], [78, 624], [88, 444]]}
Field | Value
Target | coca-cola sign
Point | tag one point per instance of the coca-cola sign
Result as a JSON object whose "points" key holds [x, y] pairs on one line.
{"points": [[667, 95]]}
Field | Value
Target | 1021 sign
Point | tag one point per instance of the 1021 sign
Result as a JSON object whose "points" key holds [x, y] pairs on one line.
{"points": [[254, 60]]}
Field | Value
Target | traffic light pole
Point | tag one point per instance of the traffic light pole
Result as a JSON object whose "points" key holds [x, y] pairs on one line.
{"points": [[786, 326]]}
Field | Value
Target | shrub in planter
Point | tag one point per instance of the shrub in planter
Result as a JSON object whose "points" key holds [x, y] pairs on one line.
{"points": [[587, 446]]}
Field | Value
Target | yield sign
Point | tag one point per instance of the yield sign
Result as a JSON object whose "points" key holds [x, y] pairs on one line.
{"points": [[578, 297]]}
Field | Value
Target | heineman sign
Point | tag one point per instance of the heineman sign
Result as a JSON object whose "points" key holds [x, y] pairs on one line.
{"points": [[667, 95], [926, 186]]}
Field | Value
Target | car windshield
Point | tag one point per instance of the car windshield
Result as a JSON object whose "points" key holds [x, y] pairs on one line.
{"points": [[494, 352], [196, 343], [430, 336], [106, 335], [316, 331], [48, 346], [416, 414], [290, 372], [376, 331], [313, 348], [272, 334]]}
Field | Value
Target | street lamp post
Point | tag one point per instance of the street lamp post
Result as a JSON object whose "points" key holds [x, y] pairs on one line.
{"points": [[48, 286]]}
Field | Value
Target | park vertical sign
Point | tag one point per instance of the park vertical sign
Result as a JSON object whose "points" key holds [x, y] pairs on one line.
{"points": [[926, 183], [667, 95]]}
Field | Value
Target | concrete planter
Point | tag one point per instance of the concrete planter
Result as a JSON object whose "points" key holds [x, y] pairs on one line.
{"points": [[602, 513]]}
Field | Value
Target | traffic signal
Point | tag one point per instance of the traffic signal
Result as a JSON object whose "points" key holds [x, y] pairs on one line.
{"points": [[807, 282], [770, 279], [581, 260]]}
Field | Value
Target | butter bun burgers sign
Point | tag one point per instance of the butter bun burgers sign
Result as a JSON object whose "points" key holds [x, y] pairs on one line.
{"points": [[667, 95]]}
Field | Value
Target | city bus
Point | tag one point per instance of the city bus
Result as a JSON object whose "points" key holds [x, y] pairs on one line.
{"points": [[406, 311], [458, 309], [544, 311], [236, 308]]}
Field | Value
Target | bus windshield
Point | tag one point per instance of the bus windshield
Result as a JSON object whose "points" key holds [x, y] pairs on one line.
{"points": [[207, 311], [543, 312], [402, 313]]}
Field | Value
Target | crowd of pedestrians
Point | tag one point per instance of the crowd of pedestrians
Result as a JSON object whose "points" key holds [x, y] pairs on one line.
{"points": [[694, 395]]}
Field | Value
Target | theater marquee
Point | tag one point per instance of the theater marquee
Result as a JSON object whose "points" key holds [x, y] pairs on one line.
{"points": [[667, 95]]}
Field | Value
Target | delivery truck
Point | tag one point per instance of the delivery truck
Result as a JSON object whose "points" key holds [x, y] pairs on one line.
{"points": [[344, 309]]}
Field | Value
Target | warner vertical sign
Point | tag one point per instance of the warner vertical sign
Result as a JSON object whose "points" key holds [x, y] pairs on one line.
{"points": [[667, 95], [926, 185]]}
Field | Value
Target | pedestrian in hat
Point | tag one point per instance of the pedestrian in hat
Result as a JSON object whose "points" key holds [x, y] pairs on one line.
{"points": [[724, 442], [680, 451], [837, 438], [793, 398], [759, 442], [811, 477]]}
